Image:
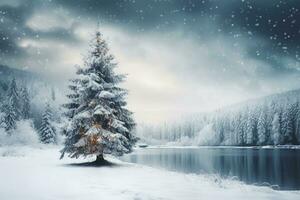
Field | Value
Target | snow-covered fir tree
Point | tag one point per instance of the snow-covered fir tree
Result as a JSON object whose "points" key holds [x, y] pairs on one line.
{"points": [[286, 126], [13, 98], [297, 123], [10, 118], [25, 103], [2, 118], [99, 122], [47, 131], [12, 106], [250, 129], [276, 129], [239, 130], [261, 129]]}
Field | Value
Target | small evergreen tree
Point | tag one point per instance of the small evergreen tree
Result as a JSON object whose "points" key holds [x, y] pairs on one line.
{"points": [[99, 122], [47, 131]]}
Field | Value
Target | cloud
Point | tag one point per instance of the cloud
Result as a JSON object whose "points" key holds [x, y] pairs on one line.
{"points": [[19, 21], [47, 20], [175, 73]]}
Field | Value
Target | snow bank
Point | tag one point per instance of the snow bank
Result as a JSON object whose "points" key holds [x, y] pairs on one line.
{"points": [[41, 175], [24, 134]]}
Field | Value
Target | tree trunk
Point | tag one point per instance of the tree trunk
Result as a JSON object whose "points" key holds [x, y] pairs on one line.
{"points": [[100, 159]]}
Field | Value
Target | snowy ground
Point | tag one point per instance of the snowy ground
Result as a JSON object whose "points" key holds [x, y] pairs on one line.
{"points": [[38, 174]]}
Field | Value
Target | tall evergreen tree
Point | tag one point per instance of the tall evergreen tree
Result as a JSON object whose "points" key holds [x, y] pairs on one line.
{"points": [[12, 107], [99, 122], [286, 127], [250, 129], [292, 110], [47, 131], [13, 98], [297, 125], [261, 129], [239, 130], [10, 118], [2, 119], [276, 129], [25, 103]]}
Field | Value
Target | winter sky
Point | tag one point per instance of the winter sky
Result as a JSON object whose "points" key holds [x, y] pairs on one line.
{"points": [[181, 56]]}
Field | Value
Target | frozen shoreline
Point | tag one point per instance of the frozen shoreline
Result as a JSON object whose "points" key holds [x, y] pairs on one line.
{"points": [[37, 174]]}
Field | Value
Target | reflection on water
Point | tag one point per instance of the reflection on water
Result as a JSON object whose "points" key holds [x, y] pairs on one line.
{"points": [[254, 166]]}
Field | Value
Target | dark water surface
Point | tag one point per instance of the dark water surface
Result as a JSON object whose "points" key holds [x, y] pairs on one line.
{"points": [[279, 168]]}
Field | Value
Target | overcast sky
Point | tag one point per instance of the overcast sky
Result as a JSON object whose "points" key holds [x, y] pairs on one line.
{"points": [[181, 56]]}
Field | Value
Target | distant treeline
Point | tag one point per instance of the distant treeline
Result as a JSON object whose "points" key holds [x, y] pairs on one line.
{"points": [[273, 120]]}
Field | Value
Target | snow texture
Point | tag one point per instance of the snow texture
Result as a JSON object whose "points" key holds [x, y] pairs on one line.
{"points": [[24, 134]]}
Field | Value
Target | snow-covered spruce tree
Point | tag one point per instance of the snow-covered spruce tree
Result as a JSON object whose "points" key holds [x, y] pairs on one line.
{"points": [[276, 129], [2, 122], [297, 125], [10, 118], [261, 129], [239, 130], [12, 107], [47, 131], [250, 129], [13, 97], [286, 127], [292, 110], [25, 103], [99, 123]]}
